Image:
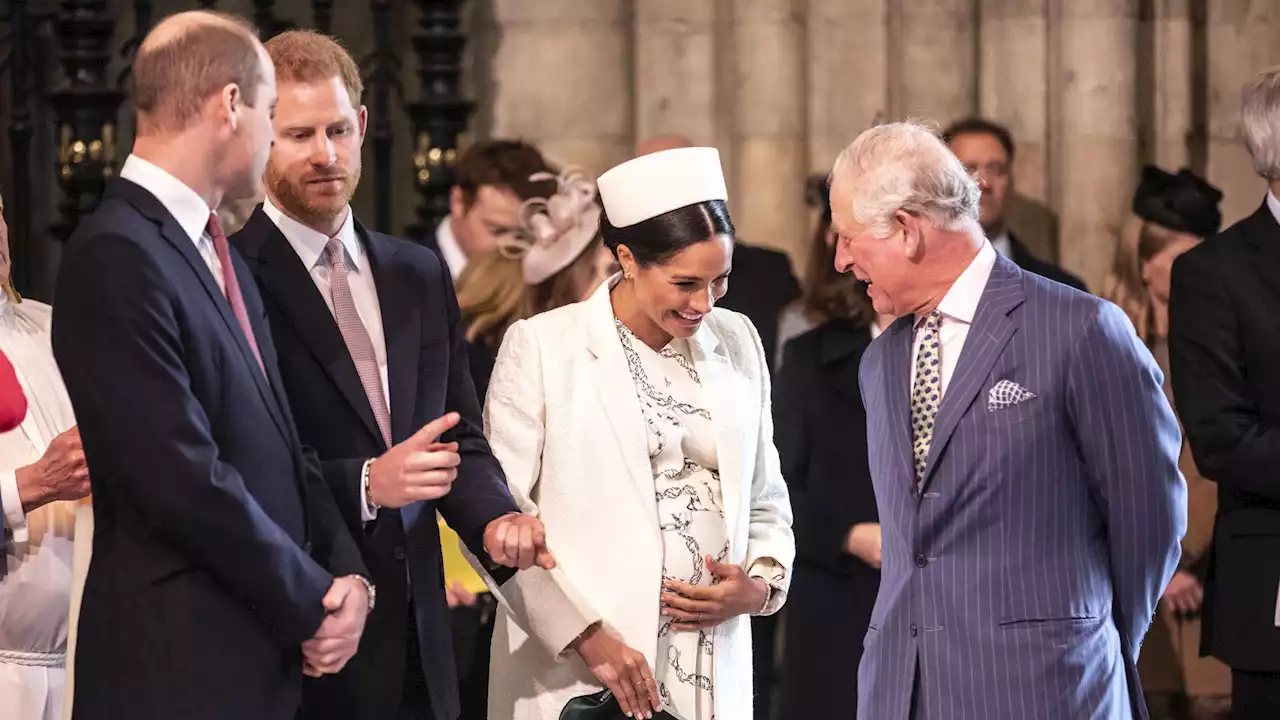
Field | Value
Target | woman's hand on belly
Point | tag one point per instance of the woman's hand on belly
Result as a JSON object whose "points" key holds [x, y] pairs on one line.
{"points": [[695, 607]]}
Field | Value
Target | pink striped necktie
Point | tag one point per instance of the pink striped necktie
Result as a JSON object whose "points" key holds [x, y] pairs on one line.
{"points": [[231, 287], [357, 338]]}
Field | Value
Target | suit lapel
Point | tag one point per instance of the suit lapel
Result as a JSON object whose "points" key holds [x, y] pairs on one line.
{"points": [[612, 380], [295, 293], [402, 328], [724, 397], [897, 383], [172, 232], [990, 331]]}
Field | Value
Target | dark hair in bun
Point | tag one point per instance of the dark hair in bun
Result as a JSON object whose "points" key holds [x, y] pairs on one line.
{"points": [[658, 239]]}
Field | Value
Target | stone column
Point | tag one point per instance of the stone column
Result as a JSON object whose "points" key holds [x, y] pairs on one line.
{"points": [[1242, 43], [932, 62], [675, 70], [847, 58], [563, 79], [1094, 126], [1013, 51], [1172, 85], [769, 157]]}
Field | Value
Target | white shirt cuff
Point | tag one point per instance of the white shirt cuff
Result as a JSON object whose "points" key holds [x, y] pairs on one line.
{"points": [[15, 519], [368, 513]]}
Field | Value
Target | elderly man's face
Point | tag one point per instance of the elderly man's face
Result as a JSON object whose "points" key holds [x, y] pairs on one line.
{"points": [[884, 264]]}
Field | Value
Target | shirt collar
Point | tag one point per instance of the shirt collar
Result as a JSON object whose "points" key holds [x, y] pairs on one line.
{"points": [[183, 203], [454, 258], [1273, 204], [961, 301], [309, 243]]}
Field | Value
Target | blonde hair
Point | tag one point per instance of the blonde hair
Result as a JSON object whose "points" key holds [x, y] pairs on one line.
{"points": [[1139, 241], [492, 294]]}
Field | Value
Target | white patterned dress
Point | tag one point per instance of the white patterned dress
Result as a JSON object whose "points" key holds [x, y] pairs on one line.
{"points": [[682, 450]]}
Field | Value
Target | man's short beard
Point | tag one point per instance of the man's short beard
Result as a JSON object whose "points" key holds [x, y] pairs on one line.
{"points": [[292, 198]]}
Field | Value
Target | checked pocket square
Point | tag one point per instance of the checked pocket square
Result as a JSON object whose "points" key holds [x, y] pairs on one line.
{"points": [[1007, 393]]}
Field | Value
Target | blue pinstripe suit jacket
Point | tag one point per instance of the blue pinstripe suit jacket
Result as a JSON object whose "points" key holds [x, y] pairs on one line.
{"points": [[1023, 578]]}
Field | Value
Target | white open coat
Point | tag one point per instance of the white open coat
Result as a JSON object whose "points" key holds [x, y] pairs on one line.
{"points": [[563, 418]]}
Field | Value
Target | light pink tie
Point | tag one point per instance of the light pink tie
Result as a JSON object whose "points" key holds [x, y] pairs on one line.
{"points": [[357, 338]]}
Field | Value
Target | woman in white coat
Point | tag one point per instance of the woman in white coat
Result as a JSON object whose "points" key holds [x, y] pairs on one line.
{"points": [[637, 425]]}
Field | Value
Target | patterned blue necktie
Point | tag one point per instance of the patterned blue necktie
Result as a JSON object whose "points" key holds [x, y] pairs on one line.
{"points": [[926, 392]]}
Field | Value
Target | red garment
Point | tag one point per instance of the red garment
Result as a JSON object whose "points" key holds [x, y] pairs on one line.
{"points": [[13, 403]]}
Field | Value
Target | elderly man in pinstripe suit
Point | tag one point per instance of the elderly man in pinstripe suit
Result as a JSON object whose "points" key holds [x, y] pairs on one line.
{"points": [[1024, 457]]}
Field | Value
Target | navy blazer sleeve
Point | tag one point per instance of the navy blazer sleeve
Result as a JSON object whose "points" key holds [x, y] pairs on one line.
{"points": [[1130, 442], [1229, 440], [119, 343], [480, 493]]}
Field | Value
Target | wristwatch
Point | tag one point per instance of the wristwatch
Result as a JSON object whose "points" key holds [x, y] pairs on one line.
{"points": [[368, 585]]}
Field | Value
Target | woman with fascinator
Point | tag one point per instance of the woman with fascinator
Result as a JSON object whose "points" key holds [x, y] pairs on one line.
{"points": [[558, 259], [1171, 215], [637, 425]]}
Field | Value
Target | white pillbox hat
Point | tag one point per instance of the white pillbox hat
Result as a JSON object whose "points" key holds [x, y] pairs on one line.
{"points": [[651, 185]]}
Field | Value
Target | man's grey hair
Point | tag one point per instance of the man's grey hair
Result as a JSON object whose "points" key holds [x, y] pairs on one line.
{"points": [[906, 166], [1260, 121]]}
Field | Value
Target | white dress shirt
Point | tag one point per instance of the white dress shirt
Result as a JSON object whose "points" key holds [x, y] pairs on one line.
{"points": [[1273, 204], [454, 258], [310, 245], [188, 208], [37, 584], [958, 307]]}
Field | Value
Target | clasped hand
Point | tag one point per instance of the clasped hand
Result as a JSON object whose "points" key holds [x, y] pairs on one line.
{"points": [[346, 608], [694, 607]]}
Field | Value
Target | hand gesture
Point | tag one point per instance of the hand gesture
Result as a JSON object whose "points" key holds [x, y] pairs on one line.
{"points": [[518, 540], [696, 607], [346, 608], [863, 542], [1183, 596], [620, 668], [60, 474], [420, 468]]}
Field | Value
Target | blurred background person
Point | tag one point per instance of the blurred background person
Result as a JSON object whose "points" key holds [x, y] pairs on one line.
{"points": [[558, 257], [42, 476], [1172, 214], [987, 149], [820, 429], [491, 183], [1224, 347]]}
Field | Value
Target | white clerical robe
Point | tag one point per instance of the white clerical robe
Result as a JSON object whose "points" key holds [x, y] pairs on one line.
{"points": [[40, 557]]}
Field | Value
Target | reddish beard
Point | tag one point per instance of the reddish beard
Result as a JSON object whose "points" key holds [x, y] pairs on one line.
{"points": [[299, 199]]}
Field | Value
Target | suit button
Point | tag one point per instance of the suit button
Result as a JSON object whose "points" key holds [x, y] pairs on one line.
{"points": [[914, 630], [921, 560], [398, 553]]}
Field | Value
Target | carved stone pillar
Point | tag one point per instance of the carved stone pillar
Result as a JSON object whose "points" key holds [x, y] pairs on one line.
{"points": [[564, 79], [933, 59], [1096, 130], [675, 70], [767, 176]]}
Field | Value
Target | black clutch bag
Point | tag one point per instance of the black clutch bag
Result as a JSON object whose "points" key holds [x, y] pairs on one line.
{"points": [[600, 706]]}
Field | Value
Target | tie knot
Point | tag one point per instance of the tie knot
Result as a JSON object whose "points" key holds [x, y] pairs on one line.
{"points": [[214, 227], [333, 249], [933, 321]]}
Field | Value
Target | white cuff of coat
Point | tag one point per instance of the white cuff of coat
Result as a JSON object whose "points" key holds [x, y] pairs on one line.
{"points": [[368, 513], [15, 519], [772, 572]]}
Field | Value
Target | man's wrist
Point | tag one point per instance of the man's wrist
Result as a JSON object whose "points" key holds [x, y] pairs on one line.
{"points": [[370, 508], [369, 589]]}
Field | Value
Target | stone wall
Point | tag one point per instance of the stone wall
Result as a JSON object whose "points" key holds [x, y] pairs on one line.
{"points": [[1092, 90]]}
